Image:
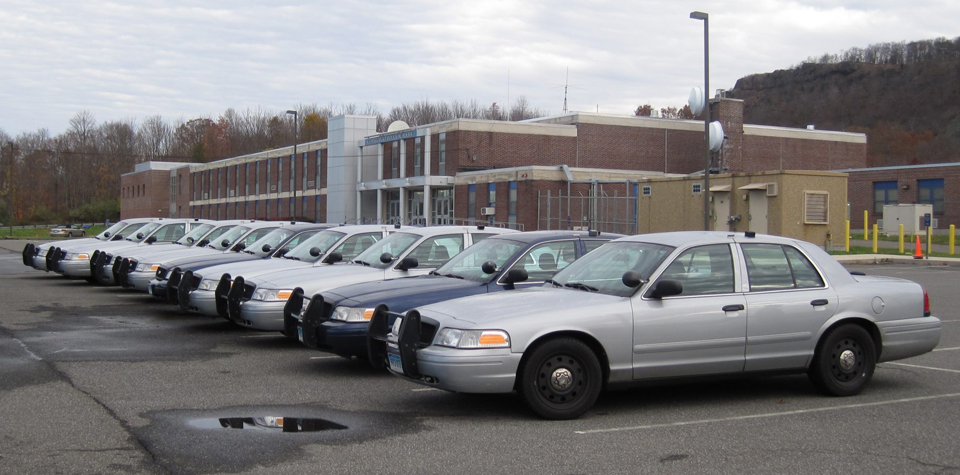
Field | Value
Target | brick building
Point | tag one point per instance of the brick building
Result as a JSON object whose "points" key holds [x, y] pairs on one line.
{"points": [[935, 184], [522, 174]]}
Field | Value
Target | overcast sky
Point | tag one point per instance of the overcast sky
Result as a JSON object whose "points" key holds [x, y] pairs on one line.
{"points": [[180, 59]]}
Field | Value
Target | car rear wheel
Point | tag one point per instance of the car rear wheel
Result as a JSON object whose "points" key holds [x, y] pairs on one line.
{"points": [[844, 361], [70, 234], [561, 379]]}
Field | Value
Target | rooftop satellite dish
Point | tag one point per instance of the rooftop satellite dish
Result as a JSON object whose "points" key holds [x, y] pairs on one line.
{"points": [[716, 136], [696, 101], [397, 125]]}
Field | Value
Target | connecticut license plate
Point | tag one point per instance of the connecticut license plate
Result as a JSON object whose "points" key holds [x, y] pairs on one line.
{"points": [[395, 363], [300, 334]]}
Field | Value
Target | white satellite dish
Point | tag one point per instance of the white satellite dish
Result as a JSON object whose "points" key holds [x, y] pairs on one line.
{"points": [[397, 125], [716, 136], [696, 101]]}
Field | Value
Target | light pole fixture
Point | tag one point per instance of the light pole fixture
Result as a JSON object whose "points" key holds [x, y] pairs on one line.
{"points": [[293, 168], [706, 114]]}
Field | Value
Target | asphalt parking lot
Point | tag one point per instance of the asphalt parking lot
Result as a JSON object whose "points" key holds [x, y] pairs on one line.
{"points": [[104, 380]]}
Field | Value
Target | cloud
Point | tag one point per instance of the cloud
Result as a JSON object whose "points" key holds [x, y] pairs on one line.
{"points": [[178, 59]]}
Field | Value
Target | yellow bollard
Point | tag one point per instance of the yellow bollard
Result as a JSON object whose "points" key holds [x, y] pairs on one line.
{"points": [[866, 220], [901, 239], [953, 230], [846, 237], [929, 239], [875, 238]]}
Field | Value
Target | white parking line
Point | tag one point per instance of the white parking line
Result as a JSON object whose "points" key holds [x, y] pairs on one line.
{"points": [[268, 335], [769, 414], [924, 367], [424, 389], [323, 357], [947, 349]]}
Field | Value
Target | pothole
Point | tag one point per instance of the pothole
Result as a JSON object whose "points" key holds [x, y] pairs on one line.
{"points": [[277, 424]]}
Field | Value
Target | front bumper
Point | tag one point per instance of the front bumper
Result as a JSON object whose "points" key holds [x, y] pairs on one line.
{"points": [[140, 280], [260, 315], [157, 288], [74, 267], [204, 302]]}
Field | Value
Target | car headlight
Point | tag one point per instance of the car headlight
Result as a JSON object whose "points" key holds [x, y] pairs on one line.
{"points": [[472, 338], [144, 267], [272, 295], [350, 314], [208, 284], [74, 255]]}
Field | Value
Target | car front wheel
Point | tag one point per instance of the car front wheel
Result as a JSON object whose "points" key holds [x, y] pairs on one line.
{"points": [[844, 361], [561, 379]]}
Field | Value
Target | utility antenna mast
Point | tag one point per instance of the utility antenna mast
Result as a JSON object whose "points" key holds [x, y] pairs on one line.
{"points": [[566, 82]]}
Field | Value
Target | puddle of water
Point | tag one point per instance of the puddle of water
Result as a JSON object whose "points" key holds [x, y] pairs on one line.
{"points": [[267, 424]]}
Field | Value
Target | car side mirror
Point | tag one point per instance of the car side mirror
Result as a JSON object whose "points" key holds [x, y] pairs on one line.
{"points": [[203, 242], [665, 288], [106, 235], [281, 252], [408, 262], [239, 247], [224, 243], [190, 240], [315, 251], [151, 239], [266, 248], [386, 257], [139, 235], [488, 267], [333, 258], [516, 275], [631, 279]]}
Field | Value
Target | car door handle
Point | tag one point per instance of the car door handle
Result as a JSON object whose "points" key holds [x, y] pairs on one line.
{"points": [[819, 302], [733, 308]]}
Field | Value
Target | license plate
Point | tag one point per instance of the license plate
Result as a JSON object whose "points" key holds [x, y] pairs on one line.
{"points": [[395, 363], [300, 334]]}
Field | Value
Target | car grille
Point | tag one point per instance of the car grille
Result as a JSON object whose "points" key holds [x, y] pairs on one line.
{"points": [[248, 290], [161, 273], [427, 332]]}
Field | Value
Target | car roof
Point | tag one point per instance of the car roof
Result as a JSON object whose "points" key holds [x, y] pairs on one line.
{"points": [[449, 229], [537, 236], [686, 238]]}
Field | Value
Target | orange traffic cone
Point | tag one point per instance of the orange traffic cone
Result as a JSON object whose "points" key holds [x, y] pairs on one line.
{"points": [[917, 253]]}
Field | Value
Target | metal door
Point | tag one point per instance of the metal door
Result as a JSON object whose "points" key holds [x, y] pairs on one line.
{"points": [[758, 211]]}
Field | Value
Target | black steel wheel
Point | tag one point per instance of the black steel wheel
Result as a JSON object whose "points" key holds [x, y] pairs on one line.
{"points": [[844, 361], [561, 379]]}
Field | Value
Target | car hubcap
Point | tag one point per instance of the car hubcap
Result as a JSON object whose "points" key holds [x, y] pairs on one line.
{"points": [[561, 380], [847, 357], [847, 360]]}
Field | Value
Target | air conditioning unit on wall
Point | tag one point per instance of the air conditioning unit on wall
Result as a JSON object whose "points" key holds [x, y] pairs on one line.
{"points": [[771, 189], [488, 211]]}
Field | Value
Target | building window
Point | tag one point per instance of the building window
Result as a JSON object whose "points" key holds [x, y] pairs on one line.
{"points": [[816, 205], [697, 188], [647, 190], [303, 181], [884, 193], [442, 169], [417, 157], [491, 199], [246, 183], [279, 176], [316, 184], [293, 168], [266, 181], [257, 186], [931, 192], [512, 207], [267, 206], [395, 160], [236, 182], [471, 202]]}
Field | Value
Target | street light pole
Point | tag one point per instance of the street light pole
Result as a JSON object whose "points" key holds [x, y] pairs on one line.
{"points": [[706, 114], [293, 168]]}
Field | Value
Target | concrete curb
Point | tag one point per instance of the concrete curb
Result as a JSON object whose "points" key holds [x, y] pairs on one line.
{"points": [[895, 259]]}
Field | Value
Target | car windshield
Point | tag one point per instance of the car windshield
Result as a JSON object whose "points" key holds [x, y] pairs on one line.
{"points": [[142, 233], [217, 233], [194, 234], [602, 270], [229, 237], [468, 263], [271, 240], [395, 244], [323, 240], [109, 232]]}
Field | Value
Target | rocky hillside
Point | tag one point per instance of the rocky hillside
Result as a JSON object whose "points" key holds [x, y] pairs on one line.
{"points": [[910, 112]]}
